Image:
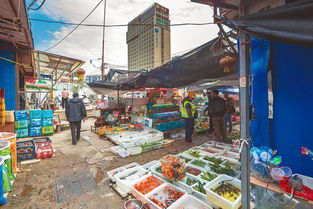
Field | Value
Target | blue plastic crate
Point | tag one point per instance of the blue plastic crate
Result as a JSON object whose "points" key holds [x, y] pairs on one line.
{"points": [[21, 124], [47, 114], [21, 115], [35, 131], [47, 122], [20, 133], [36, 122], [35, 114]]}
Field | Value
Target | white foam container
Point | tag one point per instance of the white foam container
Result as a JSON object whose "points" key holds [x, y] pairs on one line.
{"points": [[153, 169], [199, 167], [140, 196], [189, 202], [134, 150], [217, 199], [159, 192], [149, 165], [111, 174], [186, 156], [232, 156], [125, 184]]}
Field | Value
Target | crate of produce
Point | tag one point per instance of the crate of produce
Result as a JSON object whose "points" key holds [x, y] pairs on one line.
{"points": [[164, 196], [35, 114], [47, 130], [21, 133], [26, 150], [125, 178], [21, 115], [35, 131], [42, 141], [35, 122], [21, 124], [47, 114], [151, 146], [144, 186], [47, 122], [173, 168], [225, 192], [44, 151]]}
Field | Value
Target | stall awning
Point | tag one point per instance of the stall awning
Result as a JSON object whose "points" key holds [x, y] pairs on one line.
{"points": [[49, 66], [291, 23], [200, 63]]}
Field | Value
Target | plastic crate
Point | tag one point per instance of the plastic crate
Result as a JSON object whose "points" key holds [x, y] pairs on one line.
{"points": [[47, 122], [21, 115], [43, 152], [35, 122], [35, 131], [47, 130], [25, 150], [123, 182], [20, 133], [21, 124], [189, 202], [47, 114], [35, 114]]}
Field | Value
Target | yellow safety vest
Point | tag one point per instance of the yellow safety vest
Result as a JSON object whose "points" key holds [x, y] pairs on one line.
{"points": [[184, 113]]}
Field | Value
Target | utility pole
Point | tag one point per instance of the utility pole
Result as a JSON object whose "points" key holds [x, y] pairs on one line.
{"points": [[103, 37]]}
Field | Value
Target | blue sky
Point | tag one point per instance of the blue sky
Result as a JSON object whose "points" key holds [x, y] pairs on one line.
{"points": [[85, 43]]}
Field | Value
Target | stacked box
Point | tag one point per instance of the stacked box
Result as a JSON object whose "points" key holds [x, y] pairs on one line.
{"points": [[25, 150], [21, 123], [44, 148], [35, 122], [47, 122]]}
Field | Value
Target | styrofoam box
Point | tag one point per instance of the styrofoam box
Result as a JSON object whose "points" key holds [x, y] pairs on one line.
{"points": [[189, 202], [153, 169], [192, 166], [197, 194], [160, 192], [139, 195], [186, 156], [217, 199], [134, 150], [149, 165], [199, 167], [125, 183], [186, 186], [234, 157], [111, 174]]}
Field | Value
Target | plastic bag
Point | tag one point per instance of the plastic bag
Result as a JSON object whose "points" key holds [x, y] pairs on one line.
{"points": [[7, 187], [3, 200]]}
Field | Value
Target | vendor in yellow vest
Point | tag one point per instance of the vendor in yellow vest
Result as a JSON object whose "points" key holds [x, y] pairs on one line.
{"points": [[189, 113]]}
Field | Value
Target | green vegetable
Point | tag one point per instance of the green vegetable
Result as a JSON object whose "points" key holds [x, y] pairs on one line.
{"points": [[199, 163], [199, 187], [217, 168], [213, 159], [190, 181], [195, 154], [159, 169], [184, 158], [208, 176]]}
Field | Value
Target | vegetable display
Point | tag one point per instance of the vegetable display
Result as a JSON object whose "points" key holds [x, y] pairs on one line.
{"points": [[199, 187], [167, 197], [190, 181], [199, 163], [185, 159], [159, 169], [208, 176], [217, 168], [195, 154], [213, 159], [227, 191], [173, 168], [193, 171], [148, 184]]}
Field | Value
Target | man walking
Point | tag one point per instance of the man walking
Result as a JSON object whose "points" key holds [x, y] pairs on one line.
{"points": [[230, 110], [210, 97], [65, 95], [189, 113], [75, 112], [217, 109]]}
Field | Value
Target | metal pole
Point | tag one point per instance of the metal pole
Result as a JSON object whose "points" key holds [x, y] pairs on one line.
{"points": [[103, 37], [244, 84]]}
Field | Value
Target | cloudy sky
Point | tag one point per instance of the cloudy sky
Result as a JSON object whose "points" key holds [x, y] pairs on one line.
{"points": [[86, 42]]}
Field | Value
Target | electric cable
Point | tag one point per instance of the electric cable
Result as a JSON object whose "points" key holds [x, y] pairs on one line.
{"points": [[75, 27], [117, 25], [42, 3]]}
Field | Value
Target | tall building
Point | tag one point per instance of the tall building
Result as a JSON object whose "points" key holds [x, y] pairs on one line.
{"points": [[149, 39]]}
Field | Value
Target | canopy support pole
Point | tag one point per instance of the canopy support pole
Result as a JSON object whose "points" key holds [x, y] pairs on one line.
{"points": [[244, 86]]}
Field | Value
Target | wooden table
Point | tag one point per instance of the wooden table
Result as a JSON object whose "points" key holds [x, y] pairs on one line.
{"points": [[276, 188]]}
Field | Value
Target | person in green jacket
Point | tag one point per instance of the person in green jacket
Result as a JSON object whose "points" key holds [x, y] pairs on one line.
{"points": [[189, 113]]}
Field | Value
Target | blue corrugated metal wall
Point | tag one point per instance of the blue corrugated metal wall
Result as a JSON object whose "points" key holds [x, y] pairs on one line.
{"points": [[7, 79]]}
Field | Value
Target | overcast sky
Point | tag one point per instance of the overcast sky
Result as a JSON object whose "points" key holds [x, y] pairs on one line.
{"points": [[86, 42]]}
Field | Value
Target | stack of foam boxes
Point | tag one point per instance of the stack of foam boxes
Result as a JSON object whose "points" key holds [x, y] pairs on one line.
{"points": [[21, 123], [47, 122], [35, 123]]}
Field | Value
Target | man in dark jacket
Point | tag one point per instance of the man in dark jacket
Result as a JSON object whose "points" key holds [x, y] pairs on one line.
{"points": [[75, 113], [217, 109]]}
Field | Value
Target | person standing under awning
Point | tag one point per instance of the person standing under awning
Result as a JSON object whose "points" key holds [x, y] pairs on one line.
{"points": [[189, 113]]}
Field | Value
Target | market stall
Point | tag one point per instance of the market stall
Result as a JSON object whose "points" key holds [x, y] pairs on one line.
{"points": [[205, 176]]}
